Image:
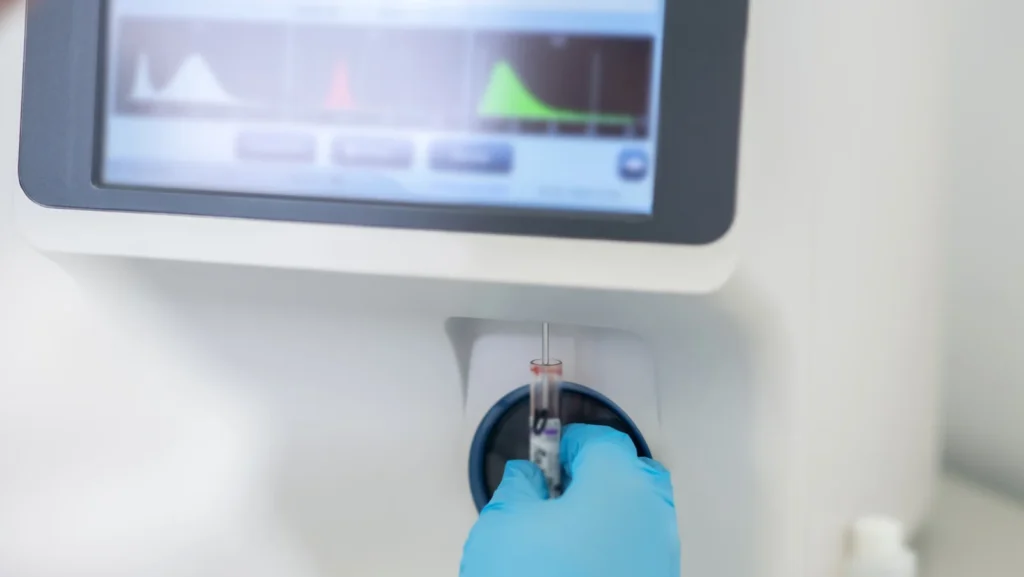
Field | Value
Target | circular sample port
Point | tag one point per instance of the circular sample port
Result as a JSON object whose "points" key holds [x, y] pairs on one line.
{"points": [[504, 433]]}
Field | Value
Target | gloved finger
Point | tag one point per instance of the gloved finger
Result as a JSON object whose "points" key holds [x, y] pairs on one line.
{"points": [[654, 465], [523, 482], [585, 444], [660, 479]]}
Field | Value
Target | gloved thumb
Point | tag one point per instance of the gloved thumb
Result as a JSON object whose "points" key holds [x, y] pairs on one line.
{"points": [[595, 448], [523, 482]]}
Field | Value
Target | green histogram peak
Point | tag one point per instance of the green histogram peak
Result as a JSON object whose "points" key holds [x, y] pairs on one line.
{"points": [[508, 97]]}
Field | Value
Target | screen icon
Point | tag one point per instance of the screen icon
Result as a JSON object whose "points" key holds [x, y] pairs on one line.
{"points": [[634, 164]]}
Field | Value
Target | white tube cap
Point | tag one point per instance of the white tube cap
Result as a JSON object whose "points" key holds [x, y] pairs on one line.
{"points": [[878, 548]]}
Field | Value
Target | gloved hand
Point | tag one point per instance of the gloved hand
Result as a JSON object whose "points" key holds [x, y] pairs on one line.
{"points": [[616, 518]]}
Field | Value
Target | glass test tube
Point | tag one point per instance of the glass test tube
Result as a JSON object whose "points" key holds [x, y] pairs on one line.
{"points": [[545, 421]]}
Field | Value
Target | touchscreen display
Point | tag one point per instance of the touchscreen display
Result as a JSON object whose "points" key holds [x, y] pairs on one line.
{"points": [[525, 104]]}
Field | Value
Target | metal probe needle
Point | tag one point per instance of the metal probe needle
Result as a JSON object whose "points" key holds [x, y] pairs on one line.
{"points": [[545, 357]]}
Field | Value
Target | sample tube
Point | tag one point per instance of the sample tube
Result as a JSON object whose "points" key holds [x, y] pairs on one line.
{"points": [[545, 421]]}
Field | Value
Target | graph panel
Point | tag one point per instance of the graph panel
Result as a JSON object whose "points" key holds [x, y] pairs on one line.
{"points": [[200, 69], [414, 78], [405, 78], [563, 84], [323, 68]]}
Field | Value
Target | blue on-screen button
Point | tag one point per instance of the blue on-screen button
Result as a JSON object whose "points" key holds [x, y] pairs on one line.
{"points": [[634, 164], [486, 157]]}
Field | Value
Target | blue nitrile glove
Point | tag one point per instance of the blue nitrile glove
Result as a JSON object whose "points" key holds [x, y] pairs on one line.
{"points": [[616, 518]]}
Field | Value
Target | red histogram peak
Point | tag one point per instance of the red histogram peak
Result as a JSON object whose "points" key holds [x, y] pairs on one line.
{"points": [[340, 95]]}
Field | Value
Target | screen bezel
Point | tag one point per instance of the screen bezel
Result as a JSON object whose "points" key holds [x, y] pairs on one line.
{"points": [[695, 184]]}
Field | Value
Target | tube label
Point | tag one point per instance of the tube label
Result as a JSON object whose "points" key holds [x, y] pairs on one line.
{"points": [[544, 452]]}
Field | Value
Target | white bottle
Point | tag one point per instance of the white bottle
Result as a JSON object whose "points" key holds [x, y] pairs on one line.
{"points": [[878, 548]]}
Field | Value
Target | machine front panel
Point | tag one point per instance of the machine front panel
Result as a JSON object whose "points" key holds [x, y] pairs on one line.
{"points": [[595, 119]]}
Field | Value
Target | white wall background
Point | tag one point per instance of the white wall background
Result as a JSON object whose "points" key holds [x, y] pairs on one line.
{"points": [[985, 337], [109, 425]]}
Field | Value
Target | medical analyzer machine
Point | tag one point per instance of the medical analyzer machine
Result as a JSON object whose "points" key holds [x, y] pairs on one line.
{"points": [[718, 217]]}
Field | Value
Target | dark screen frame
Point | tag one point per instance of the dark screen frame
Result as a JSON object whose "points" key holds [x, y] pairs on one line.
{"points": [[695, 186]]}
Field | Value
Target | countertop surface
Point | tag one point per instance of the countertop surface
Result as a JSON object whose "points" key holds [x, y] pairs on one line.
{"points": [[973, 533]]}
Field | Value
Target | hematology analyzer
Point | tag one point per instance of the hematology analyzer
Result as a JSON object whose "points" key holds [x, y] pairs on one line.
{"points": [[750, 300]]}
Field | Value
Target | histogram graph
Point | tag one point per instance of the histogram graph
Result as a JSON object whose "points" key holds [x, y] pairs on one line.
{"points": [[387, 77], [195, 69], [192, 83], [562, 84], [508, 97]]}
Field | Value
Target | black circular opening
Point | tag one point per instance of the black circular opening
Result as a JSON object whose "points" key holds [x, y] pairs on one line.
{"points": [[504, 433]]}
